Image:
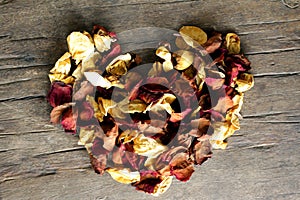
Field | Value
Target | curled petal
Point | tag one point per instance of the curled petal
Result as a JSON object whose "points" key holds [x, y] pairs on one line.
{"points": [[146, 146], [124, 175], [244, 82], [193, 35], [80, 46], [59, 94], [181, 167], [232, 42]]}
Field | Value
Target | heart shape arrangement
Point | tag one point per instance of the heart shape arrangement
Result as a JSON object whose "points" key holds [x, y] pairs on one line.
{"points": [[145, 127]]}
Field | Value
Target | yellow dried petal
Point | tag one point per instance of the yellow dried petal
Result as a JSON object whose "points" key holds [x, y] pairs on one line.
{"points": [[56, 77], [163, 103], [163, 53], [86, 137], [118, 66], [193, 35], [184, 59], [156, 69], [105, 105], [62, 65], [149, 147], [222, 130], [128, 136], [80, 46], [97, 112], [124, 175], [232, 42], [102, 42], [245, 82], [163, 186], [89, 63]]}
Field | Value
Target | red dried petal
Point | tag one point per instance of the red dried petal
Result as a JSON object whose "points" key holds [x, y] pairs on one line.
{"points": [[148, 181], [99, 163], [68, 121], [59, 94], [181, 167], [86, 112]]}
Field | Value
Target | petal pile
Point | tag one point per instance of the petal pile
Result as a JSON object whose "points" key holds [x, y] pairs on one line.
{"points": [[146, 127]]}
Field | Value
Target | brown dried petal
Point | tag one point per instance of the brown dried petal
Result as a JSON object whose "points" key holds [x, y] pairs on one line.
{"points": [[213, 43], [181, 167], [99, 163], [85, 89], [202, 151]]}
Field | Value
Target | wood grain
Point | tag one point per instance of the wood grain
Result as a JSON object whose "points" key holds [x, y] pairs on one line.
{"points": [[39, 161]]}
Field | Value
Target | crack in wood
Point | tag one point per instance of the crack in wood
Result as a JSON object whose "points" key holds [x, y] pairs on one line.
{"points": [[268, 22], [262, 115], [60, 151], [273, 51], [279, 122], [24, 66], [277, 74], [28, 132], [23, 98], [261, 146], [15, 81]]}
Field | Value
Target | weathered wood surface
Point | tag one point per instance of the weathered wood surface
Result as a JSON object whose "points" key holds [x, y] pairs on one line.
{"points": [[39, 161]]}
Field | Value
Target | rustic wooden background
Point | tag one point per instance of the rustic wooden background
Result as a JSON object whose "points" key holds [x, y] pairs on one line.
{"points": [[40, 161]]}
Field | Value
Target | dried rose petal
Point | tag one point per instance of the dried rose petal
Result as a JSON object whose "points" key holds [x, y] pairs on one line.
{"points": [[181, 167], [59, 94]]}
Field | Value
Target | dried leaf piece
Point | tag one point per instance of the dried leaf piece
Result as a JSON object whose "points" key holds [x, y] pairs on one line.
{"points": [[103, 38], [244, 82], [190, 34], [62, 78], [232, 43], [80, 46], [146, 146], [224, 103], [124, 175]]}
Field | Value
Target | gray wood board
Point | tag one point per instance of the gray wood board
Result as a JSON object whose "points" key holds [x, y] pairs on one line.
{"points": [[40, 161]]}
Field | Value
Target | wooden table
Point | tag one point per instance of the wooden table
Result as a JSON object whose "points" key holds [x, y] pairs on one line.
{"points": [[40, 161]]}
